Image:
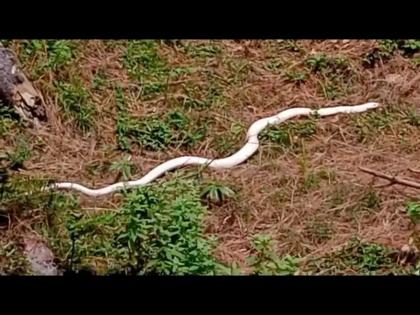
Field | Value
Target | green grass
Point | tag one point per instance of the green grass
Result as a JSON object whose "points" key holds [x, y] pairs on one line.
{"points": [[202, 51], [199, 98], [289, 135], [369, 125], [156, 132], [145, 65], [76, 103], [21, 153], [296, 76], [48, 54], [12, 260], [9, 121], [319, 231], [124, 167]]}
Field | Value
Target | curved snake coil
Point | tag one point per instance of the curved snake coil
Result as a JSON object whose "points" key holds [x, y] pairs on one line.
{"points": [[250, 147]]}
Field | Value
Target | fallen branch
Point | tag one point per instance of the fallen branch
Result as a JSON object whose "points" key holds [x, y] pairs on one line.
{"points": [[392, 179], [414, 170]]}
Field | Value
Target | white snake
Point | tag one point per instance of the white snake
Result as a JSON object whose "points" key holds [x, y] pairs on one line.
{"points": [[239, 157]]}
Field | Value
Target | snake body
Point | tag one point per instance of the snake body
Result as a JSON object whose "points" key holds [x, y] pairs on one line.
{"points": [[250, 147]]}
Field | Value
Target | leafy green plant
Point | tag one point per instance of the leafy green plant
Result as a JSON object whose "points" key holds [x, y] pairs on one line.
{"points": [[407, 47], [317, 62], [296, 76], [266, 261], [413, 211], [388, 46], [159, 230], [164, 230], [216, 192], [410, 46]]}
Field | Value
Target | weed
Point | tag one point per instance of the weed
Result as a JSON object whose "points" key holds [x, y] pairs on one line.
{"points": [[413, 211], [7, 125], [155, 132], [410, 46], [14, 189], [416, 61], [21, 153], [124, 166], [266, 261], [9, 120], [366, 203], [331, 91], [99, 81], [5, 42], [296, 76], [317, 62], [359, 258], [412, 117], [216, 192], [274, 65], [152, 133], [290, 45], [75, 100]]}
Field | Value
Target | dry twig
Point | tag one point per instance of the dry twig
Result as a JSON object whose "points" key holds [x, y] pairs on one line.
{"points": [[392, 179]]}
